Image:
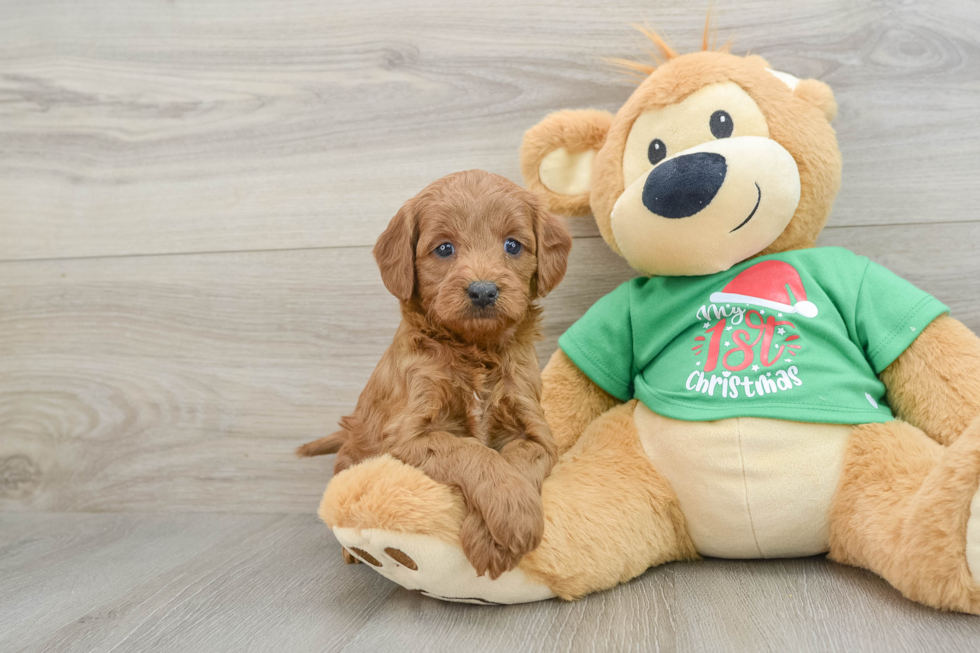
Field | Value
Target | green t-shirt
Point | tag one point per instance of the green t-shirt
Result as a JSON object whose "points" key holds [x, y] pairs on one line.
{"points": [[798, 336]]}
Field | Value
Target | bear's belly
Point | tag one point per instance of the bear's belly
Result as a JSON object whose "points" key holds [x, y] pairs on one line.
{"points": [[749, 487]]}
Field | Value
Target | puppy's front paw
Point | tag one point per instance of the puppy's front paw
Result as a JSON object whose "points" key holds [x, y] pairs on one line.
{"points": [[483, 552], [514, 518]]}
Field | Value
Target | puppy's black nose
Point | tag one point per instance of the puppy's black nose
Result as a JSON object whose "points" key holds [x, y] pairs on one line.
{"points": [[684, 185], [483, 293]]}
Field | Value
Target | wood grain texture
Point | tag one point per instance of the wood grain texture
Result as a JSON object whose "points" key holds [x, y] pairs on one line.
{"points": [[184, 382], [163, 127], [259, 583], [188, 195]]}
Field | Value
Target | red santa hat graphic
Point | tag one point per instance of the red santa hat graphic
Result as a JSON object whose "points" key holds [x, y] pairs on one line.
{"points": [[772, 284]]}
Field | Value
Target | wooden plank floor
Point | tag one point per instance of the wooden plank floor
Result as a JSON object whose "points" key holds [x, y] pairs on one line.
{"points": [[188, 196], [165, 582]]}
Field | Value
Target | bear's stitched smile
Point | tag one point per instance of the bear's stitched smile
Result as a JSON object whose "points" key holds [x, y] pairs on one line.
{"points": [[754, 209]]}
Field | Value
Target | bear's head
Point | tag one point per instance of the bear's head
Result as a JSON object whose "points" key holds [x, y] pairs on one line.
{"points": [[714, 159]]}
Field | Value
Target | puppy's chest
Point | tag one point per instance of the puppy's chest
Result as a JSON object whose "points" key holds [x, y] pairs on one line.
{"points": [[484, 405], [480, 397]]}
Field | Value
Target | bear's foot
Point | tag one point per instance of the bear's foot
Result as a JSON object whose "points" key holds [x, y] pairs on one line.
{"points": [[908, 508], [436, 568], [406, 527]]}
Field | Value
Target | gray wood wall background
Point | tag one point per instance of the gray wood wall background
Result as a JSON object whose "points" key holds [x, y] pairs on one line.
{"points": [[189, 192]]}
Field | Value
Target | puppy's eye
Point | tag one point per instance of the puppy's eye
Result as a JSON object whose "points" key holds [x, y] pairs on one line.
{"points": [[721, 124], [512, 247], [445, 250], [656, 151]]}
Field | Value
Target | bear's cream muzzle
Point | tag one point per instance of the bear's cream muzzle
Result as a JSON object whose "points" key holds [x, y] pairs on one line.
{"points": [[707, 208]]}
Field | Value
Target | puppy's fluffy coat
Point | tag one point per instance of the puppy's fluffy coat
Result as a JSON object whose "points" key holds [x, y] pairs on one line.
{"points": [[457, 392]]}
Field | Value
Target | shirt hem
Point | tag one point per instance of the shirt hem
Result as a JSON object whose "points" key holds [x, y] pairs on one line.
{"points": [[790, 412]]}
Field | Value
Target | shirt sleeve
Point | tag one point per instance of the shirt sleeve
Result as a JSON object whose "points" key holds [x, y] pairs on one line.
{"points": [[601, 343], [890, 314]]}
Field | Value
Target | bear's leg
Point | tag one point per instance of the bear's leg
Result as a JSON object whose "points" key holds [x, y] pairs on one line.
{"points": [[608, 517], [908, 509]]}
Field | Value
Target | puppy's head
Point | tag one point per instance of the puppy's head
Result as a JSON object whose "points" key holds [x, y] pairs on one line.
{"points": [[473, 251]]}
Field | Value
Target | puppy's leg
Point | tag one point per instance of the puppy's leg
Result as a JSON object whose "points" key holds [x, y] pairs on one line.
{"points": [[529, 464], [536, 454], [532, 459], [483, 552], [491, 487], [509, 524], [327, 444]]}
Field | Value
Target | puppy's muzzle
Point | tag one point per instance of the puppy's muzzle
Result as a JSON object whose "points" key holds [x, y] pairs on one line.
{"points": [[483, 293]]}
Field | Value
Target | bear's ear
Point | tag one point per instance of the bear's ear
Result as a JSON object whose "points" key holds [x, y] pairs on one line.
{"points": [[557, 155], [819, 95]]}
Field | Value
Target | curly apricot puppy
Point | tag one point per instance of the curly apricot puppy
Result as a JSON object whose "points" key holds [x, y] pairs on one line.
{"points": [[457, 393]]}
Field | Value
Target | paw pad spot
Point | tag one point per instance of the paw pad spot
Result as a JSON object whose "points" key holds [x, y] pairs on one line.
{"points": [[365, 556], [402, 558]]}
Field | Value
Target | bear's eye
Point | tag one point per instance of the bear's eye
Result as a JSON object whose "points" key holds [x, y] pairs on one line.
{"points": [[657, 151], [721, 124], [445, 250], [512, 247]]}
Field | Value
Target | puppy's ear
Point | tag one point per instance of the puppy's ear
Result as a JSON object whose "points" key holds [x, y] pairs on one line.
{"points": [[557, 155], [554, 244], [395, 253]]}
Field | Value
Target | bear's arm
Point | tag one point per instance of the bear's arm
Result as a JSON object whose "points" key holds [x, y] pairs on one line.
{"points": [[935, 383], [570, 400]]}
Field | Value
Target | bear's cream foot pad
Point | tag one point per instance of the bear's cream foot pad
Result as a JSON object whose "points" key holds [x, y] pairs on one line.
{"points": [[406, 527], [436, 568]]}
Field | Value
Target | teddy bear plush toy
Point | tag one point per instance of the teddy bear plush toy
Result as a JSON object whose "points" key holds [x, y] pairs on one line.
{"points": [[748, 396]]}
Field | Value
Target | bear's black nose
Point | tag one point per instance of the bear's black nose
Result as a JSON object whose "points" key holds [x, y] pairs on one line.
{"points": [[483, 293], [682, 186]]}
